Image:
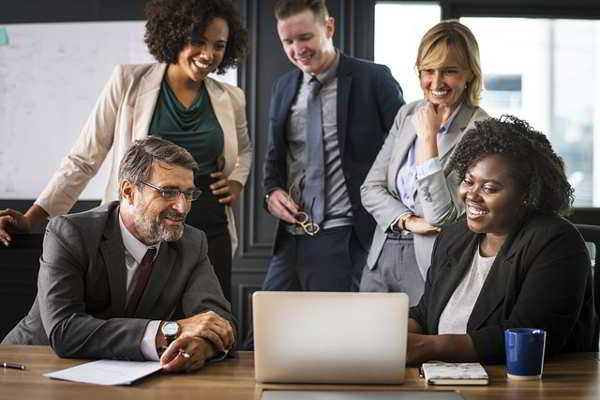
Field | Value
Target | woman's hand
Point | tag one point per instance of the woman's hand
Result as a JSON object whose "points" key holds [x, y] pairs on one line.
{"points": [[225, 186], [428, 120], [419, 226], [12, 221]]}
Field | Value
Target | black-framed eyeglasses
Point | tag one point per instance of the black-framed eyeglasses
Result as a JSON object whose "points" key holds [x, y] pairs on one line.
{"points": [[173, 194], [306, 222]]}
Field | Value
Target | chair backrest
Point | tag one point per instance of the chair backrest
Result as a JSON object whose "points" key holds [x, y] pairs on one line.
{"points": [[591, 235], [19, 265]]}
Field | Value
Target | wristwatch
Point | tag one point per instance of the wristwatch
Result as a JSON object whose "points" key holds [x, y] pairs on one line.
{"points": [[170, 331]]}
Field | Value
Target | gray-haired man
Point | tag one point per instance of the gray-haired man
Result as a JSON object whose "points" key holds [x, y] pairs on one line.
{"points": [[112, 279]]}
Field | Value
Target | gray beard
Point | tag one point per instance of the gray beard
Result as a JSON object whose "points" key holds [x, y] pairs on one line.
{"points": [[153, 231]]}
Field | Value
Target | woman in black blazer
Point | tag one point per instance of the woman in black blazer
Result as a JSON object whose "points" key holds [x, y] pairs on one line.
{"points": [[514, 262]]}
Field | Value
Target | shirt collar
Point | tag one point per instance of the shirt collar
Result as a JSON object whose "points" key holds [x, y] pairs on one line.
{"points": [[327, 75], [132, 244], [444, 127]]}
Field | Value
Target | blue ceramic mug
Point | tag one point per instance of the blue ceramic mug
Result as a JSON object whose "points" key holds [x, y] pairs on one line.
{"points": [[524, 352]]}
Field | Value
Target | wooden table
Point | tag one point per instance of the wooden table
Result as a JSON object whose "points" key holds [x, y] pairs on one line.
{"points": [[573, 376]]}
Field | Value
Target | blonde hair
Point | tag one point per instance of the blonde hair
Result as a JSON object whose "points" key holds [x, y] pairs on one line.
{"points": [[448, 36]]}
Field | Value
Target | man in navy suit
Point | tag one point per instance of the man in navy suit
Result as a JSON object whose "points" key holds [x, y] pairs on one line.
{"points": [[358, 103]]}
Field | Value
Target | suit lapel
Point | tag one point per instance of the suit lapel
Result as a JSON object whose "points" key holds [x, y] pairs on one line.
{"points": [[404, 141], [459, 259], [289, 92], [146, 100], [449, 140], [344, 87], [113, 255], [163, 265], [493, 291], [221, 104]]}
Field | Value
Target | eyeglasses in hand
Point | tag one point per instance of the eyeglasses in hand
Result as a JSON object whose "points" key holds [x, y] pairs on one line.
{"points": [[172, 194]]}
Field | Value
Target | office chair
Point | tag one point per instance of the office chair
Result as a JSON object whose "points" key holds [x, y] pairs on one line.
{"points": [[19, 266], [591, 235]]}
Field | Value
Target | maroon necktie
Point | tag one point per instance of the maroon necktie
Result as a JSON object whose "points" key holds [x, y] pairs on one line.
{"points": [[140, 279]]}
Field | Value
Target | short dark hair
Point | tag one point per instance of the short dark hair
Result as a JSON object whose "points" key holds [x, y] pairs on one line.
{"points": [[171, 23], [287, 8], [136, 164], [535, 167]]}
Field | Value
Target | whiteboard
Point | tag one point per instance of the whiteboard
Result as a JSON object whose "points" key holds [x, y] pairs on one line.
{"points": [[50, 78]]}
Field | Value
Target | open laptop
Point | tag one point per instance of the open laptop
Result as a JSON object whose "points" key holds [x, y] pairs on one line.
{"points": [[325, 337]]}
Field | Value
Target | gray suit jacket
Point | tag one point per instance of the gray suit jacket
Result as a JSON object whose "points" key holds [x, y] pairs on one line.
{"points": [[80, 305], [436, 198]]}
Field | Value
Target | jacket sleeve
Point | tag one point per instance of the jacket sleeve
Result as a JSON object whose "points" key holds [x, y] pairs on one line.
{"points": [[275, 166], [438, 192], [72, 332], [376, 198], [88, 153], [245, 150], [419, 311], [551, 281]]}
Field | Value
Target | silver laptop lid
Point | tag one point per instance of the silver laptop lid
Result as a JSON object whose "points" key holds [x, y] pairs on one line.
{"points": [[325, 337]]}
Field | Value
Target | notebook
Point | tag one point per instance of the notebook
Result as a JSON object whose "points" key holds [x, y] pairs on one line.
{"points": [[440, 373], [326, 337]]}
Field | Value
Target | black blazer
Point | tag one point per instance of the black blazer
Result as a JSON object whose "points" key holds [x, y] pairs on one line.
{"points": [[368, 98], [541, 278]]}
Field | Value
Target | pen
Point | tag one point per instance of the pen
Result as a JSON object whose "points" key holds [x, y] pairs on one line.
{"points": [[4, 364]]}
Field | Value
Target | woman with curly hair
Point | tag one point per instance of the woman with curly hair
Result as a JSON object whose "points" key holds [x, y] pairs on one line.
{"points": [[514, 262], [174, 99]]}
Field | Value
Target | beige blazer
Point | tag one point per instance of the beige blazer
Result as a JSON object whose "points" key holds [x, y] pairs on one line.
{"points": [[123, 114], [436, 200]]}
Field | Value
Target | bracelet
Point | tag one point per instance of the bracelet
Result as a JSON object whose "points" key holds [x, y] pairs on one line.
{"points": [[403, 219]]}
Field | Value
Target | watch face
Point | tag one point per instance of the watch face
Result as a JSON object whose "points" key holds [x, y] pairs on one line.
{"points": [[170, 328]]}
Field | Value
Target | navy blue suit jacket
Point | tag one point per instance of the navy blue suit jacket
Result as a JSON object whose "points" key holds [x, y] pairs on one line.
{"points": [[368, 98]]}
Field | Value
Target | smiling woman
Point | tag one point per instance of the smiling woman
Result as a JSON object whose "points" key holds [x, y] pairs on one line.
{"points": [[174, 99], [515, 244], [409, 190]]}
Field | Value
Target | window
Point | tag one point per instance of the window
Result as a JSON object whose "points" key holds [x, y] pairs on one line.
{"points": [[542, 70], [399, 28], [546, 72]]}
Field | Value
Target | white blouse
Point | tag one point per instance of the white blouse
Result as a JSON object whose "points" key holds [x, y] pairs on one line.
{"points": [[456, 314]]}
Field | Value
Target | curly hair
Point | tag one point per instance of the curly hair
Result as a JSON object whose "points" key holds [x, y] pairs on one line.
{"points": [[535, 167], [171, 22]]}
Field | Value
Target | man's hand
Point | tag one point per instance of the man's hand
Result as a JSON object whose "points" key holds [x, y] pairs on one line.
{"points": [[12, 221], [224, 186], [186, 353], [210, 326], [420, 226], [282, 206]]}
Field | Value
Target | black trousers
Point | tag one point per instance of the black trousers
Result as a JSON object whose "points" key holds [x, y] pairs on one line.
{"points": [[209, 215]]}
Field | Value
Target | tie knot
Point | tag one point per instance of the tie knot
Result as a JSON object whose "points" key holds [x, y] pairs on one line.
{"points": [[149, 256], [315, 85]]}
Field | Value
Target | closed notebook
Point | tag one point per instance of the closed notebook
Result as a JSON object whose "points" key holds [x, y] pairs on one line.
{"points": [[440, 373]]}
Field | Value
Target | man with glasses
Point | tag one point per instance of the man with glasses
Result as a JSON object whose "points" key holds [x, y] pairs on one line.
{"points": [[129, 280]]}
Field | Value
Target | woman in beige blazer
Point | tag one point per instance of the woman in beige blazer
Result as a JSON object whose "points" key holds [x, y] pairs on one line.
{"points": [[174, 99], [409, 190]]}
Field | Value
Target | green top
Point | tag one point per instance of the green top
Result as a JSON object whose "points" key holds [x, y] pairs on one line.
{"points": [[196, 128]]}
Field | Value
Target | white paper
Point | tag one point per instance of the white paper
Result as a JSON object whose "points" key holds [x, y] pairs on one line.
{"points": [[107, 372]]}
